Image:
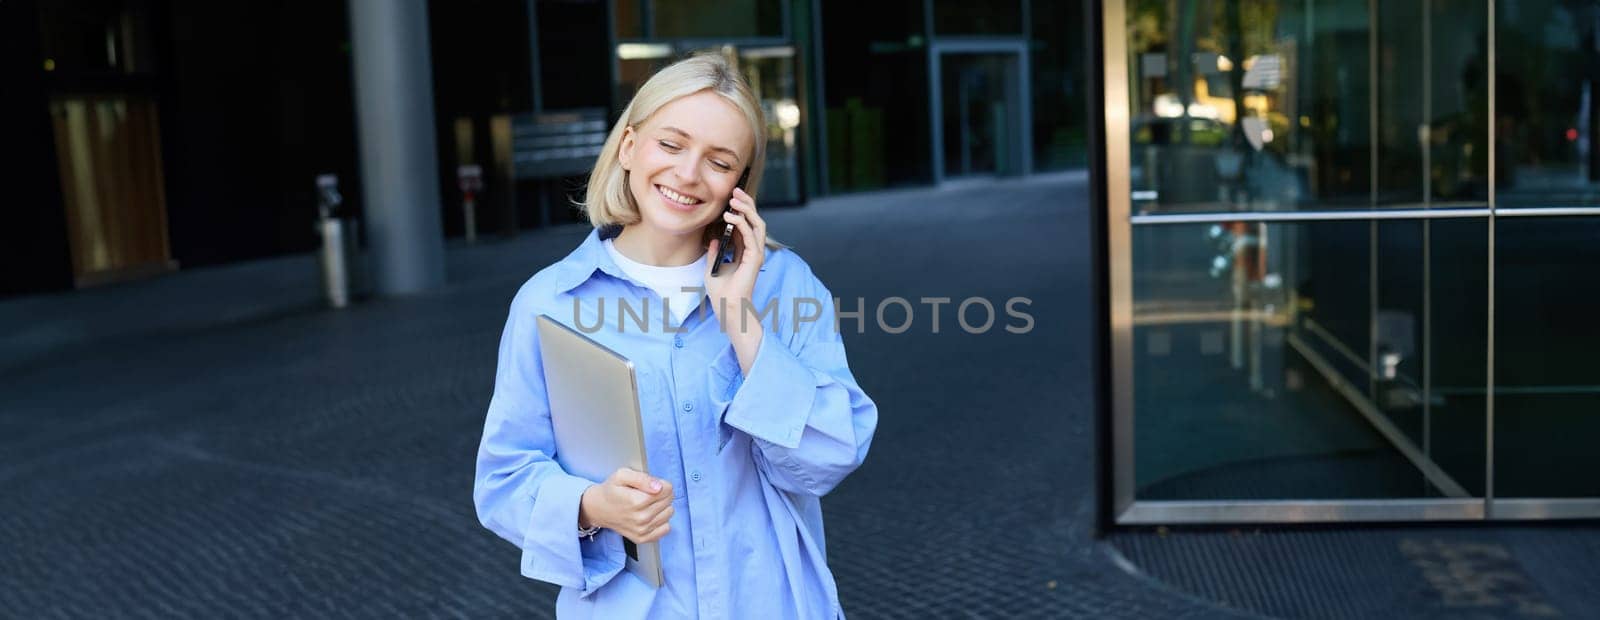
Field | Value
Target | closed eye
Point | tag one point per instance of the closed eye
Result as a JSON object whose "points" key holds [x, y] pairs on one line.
{"points": [[669, 147]]}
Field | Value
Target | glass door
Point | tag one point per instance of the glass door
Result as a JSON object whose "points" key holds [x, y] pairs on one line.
{"points": [[978, 138], [101, 69], [1293, 284], [1545, 387], [1351, 246], [980, 109], [109, 152], [771, 73]]}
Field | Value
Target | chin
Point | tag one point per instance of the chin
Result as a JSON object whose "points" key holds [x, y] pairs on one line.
{"points": [[675, 222]]}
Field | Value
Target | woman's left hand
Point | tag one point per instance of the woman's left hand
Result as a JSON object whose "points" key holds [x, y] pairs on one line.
{"points": [[731, 289]]}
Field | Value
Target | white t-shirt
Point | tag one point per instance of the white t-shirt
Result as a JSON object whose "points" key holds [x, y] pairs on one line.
{"points": [[668, 282]]}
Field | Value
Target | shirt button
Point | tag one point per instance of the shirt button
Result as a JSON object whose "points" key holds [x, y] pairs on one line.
{"points": [[695, 476], [677, 341], [688, 406]]}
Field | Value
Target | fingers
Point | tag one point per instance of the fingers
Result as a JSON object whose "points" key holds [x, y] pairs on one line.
{"points": [[656, 525], [744, 205], [660, 517], [649, 525], [630, 500], [652, 535], [747, 233], [643, 482], [639, 505]]}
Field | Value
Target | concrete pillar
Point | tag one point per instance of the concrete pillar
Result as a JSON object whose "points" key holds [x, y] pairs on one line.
{"points": [[399, 157]]}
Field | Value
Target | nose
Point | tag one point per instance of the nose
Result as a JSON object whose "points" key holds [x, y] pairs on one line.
{"points": [[687, 170]]}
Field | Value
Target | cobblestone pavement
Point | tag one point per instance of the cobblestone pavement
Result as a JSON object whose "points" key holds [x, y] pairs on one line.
{"points": [[261, 458]]}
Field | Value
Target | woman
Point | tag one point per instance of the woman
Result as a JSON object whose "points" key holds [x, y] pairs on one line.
{"points": [[748, 421]]}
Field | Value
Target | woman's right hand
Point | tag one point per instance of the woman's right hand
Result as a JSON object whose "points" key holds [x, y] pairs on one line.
{"points": [[631, 503]]}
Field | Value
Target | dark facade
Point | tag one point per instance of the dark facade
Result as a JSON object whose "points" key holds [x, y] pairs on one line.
{"points": [[192, 131], [154, 135]]}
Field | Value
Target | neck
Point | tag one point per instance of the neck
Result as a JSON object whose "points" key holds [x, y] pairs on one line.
{"points": [[655, 249]]}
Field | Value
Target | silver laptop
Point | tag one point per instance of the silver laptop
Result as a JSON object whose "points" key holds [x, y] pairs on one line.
{"points": [[594, 408]]}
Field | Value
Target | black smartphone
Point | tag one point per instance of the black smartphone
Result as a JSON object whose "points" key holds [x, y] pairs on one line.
{"points": [[725, 248]]}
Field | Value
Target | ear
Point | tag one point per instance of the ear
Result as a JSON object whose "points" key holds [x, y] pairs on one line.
{"points": [[625, 149]]}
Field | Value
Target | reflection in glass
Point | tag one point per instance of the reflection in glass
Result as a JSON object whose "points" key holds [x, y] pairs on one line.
{"points": [[1351, 359], [108, 149], [1275, 105], [1546, 103], [1456, 102], [771, 73], [1253, 369], [1547, 383]]}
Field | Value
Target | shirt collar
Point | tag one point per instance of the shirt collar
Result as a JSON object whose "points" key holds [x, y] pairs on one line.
{"points": [[590, 257]]}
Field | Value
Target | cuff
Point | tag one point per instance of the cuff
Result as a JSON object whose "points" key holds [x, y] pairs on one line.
{"points": [[553, 552], [603, 558], [774, 402]]}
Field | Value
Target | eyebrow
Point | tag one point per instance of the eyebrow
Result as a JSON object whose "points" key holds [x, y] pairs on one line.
{"points": [[685, 134]]}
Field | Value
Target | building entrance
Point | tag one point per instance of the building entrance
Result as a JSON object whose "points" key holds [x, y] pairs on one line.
{"points": [[1349, 246]]}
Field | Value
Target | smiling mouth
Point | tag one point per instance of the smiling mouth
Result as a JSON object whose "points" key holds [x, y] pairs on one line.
{"points": [[677, 198]]}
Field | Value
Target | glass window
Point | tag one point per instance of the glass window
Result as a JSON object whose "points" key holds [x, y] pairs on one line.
{"points": [[1274, 105], [95, 37], [1457, 107], [1351, 359], [1060, 88], [573, 69], [716, 18], [771, 73], [875, 61], [963, 17], [111, 184], [1254, 368], [1546, 105], [627, 18], [1547, 389], [1547, 97]]}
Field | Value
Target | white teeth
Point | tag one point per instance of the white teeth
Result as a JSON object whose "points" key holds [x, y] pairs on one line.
{"points": [[676, 197]]}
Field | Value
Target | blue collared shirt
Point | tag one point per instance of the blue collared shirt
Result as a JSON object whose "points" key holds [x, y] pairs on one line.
{"points": [[748, 456]]}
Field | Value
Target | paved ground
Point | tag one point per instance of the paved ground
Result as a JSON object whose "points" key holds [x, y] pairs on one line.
{"points": [[213, 444]]}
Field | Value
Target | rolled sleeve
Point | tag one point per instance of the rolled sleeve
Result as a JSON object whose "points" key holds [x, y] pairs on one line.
{"points": [[550, 553], [810, 423], [774, 404], [521, 492]]}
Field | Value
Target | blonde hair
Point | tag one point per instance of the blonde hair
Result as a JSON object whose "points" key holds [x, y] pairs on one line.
{"points": [[607, 200]]}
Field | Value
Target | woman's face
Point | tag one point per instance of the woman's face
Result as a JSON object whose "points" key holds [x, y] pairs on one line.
{"points": [[684, 162]]}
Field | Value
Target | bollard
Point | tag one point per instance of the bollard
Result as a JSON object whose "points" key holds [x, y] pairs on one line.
{"points": [[338, 242], [470, 178]]}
